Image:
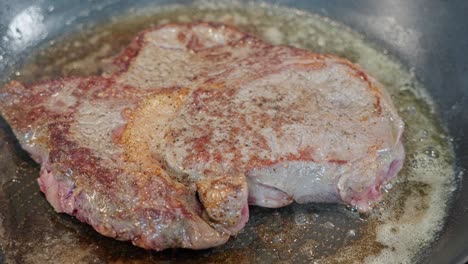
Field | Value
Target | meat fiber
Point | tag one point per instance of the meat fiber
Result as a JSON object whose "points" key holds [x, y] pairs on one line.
{"points": [[195, 121]]}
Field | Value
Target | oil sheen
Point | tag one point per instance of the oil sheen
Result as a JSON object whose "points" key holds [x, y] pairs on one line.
{"points": [[398, 230]]}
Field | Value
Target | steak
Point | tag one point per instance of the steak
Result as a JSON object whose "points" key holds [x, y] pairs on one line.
{"points": [[192, 122]]}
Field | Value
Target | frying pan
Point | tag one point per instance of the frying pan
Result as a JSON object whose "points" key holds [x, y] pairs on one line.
{"points": [[435, 46]]}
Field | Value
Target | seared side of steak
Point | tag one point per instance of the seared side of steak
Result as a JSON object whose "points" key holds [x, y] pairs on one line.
{"points": [[90, 137], [195, 121]]}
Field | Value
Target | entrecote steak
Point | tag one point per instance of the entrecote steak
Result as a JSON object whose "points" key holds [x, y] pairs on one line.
{"points": [[193, 122]]}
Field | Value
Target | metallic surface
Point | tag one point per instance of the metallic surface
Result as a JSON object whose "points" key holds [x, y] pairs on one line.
{"points": [[429, 36]]}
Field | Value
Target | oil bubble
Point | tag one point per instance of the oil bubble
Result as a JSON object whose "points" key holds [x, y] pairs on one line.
{"points": [[432, 152]]}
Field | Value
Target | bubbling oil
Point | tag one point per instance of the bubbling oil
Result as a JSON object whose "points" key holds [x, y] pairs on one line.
{"points": [[397, 231]]}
